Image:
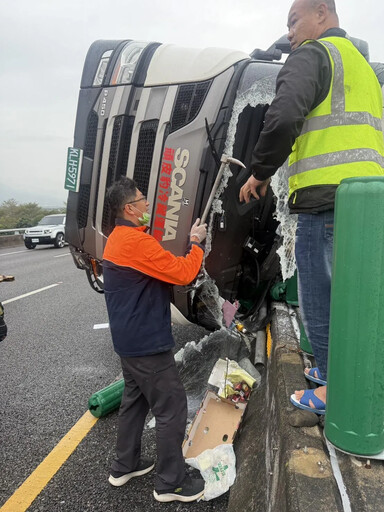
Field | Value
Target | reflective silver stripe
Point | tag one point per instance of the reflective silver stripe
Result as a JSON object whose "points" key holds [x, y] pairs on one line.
{"points": [[339, 117], [338, 93], [338, 158], [348, 118]]}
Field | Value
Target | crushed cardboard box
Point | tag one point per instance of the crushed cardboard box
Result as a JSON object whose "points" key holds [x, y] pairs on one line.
{"points": [[218, 418]]}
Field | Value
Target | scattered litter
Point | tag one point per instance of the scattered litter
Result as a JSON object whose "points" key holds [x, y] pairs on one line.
{"points": [[218, 468], [231, 381], [229, 311], [215, 423], [357, 462], [151, 423]]}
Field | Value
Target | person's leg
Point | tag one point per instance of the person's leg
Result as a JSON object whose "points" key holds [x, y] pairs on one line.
{"points": [[313, 249], [314, 245], [132, 413], [159, 381]]}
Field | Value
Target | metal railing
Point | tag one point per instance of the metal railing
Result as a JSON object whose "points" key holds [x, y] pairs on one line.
{"points": [[15, 231]]}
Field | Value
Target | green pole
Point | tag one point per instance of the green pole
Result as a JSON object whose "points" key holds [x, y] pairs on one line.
{"points": [[354, 419], [106, 400]]}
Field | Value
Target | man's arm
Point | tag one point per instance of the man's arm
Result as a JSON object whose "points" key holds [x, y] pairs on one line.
{"points": [[161, 264]]}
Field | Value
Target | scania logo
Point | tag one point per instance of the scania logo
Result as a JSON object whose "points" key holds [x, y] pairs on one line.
{"points": [[174, 202]]}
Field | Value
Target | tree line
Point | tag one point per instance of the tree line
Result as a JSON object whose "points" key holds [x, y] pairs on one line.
{"points": [[23, 215]]}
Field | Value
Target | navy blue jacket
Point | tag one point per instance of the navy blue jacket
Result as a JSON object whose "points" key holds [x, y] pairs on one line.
{"points": [[137, 274]]}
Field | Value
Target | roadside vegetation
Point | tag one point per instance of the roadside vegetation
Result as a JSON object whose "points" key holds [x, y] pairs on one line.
{"points": [[23, 215]]}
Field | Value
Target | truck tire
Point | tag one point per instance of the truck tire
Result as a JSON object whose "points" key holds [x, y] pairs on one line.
{"points": [[59, 241], [29, 245]]}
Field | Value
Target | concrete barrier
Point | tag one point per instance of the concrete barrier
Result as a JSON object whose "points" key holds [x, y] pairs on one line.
{"points": [[281, 468], [11, 240]]}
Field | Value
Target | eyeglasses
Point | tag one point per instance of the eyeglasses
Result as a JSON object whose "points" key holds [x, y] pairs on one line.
{"points": [[144, 198]]}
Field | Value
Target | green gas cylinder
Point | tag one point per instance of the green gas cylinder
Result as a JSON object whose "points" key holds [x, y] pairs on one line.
{"points": [[354, 419], [304, 341], [291, 295], [106, 400]]}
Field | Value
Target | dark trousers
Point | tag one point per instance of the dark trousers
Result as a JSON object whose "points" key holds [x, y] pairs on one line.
{"points": [[152, 382]]}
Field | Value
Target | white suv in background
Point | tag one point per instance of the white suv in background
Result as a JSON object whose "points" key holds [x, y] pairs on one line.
{"points": [[50, 230]]}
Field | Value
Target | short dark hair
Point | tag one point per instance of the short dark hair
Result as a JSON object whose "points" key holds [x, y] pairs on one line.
{"points": [[120, 193]]}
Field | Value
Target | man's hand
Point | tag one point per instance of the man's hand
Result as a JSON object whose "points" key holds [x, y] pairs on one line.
{"points": [[250, 188], [198, 231]]}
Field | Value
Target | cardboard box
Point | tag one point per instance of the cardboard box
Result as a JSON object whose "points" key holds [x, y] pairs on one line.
{"points": [[216, 422], [218, 418]]}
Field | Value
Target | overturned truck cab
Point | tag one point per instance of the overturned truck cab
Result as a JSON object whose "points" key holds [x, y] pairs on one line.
{"points": [[164, 115]]}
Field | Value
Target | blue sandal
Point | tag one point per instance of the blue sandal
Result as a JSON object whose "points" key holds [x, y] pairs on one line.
{"points": [[303, 403], [311, 376]]}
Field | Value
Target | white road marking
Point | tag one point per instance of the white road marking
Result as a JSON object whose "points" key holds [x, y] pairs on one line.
{"points": [[15, 252], [338, 477], [31, 293], [98, 326], [61, 255]]}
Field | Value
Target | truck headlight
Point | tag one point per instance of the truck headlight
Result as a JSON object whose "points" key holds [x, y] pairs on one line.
{"points": [[99, 76], [126, 65], [47, 231]]}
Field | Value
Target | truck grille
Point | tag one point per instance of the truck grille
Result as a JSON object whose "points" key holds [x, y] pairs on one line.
{"points": [[117, 163], [83, 204], [97, 200], [189, 100], [144, 155], [89, 152], [90, 138]]}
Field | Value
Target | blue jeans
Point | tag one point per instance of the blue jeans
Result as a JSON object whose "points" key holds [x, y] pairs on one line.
{"points": [[313, 249]]}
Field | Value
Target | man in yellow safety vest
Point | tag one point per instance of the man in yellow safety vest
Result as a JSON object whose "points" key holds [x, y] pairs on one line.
{"points": [[327, 118]]}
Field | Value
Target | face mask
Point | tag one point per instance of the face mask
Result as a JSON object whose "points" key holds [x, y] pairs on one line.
{"points": [[145, 217]]}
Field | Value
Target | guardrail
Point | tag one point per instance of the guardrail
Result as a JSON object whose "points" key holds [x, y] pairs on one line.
{"points": [[16, 231]]}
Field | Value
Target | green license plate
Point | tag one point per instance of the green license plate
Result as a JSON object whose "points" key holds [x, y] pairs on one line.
{"points": [[73, 171]]}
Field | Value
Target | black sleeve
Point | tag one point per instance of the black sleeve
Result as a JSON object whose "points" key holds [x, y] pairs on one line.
{"points": [[302, 84]]}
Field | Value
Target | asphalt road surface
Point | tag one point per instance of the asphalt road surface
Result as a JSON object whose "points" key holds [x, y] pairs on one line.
{"points": [[51, 362]]}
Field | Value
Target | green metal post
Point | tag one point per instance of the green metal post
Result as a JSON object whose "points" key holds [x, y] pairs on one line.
{"points": [[354, 419], [106, 400]]}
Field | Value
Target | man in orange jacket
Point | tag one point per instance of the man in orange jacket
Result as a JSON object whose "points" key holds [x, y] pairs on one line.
{"points": [[137, 274]]}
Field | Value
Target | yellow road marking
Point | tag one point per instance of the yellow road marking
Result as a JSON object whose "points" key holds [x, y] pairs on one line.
{"points": [[35, 483], [269, 344]]}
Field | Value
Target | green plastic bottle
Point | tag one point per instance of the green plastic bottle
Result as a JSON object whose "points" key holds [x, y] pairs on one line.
{"points": [[354, 419], [106, 400]]}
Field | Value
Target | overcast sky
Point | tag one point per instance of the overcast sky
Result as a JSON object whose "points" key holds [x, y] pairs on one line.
{"points": [[44, 42]]}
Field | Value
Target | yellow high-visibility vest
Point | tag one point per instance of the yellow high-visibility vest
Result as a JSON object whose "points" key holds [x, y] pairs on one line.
{"points": [[342, 137]]}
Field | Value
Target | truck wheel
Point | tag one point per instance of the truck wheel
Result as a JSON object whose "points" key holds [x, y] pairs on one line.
{"points": [[59, 241], [29, 245]]}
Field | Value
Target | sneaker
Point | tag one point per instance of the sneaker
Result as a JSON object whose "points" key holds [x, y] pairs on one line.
{"points": [[116, 478], [190, 489]]}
